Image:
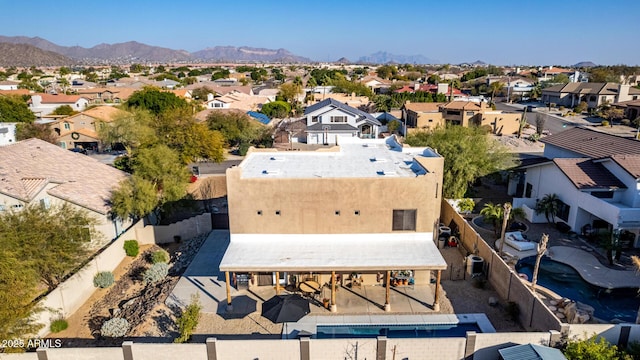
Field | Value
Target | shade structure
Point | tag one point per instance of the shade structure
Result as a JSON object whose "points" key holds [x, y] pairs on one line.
{"points": [[285, 308]]}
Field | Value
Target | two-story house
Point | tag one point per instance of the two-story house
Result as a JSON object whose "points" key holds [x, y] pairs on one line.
{"points": [[336, 213], [594, 175], [81, 130], [594, 94], [329, 120], [44, 104]]}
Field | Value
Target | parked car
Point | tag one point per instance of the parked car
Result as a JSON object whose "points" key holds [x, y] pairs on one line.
{"points": [[79, 150]]}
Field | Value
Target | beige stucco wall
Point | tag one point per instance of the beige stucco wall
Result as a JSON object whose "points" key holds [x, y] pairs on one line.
{"points": [[308, 206], [425, 121], [501, 123]]}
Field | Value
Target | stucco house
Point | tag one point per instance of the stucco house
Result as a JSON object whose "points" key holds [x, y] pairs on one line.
{"points": [[81, 130], [329, 120], [35, 172], [9, 85], [7, 133], [336, 214], [594, 94], [594, 175], [44, 104]]}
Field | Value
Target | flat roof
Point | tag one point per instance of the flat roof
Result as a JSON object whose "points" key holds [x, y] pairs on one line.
{"points": [[355, 158], [331, 252]]}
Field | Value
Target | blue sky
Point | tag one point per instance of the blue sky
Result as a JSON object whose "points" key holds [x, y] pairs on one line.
{"points": [[505, 32]]}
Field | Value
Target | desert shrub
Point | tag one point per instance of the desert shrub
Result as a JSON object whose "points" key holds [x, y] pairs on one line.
{"points": [[534, 137], [131, 248], [625, 122], [593, 348], [58, 325], [116, 327], [487, 129], [605, 123], [160, 256], [561, 108], [155, 273], [466, 205], [103, 279], [188, 320]]}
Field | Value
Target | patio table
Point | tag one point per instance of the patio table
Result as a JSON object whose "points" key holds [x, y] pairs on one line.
{"points": [[309, 287]]}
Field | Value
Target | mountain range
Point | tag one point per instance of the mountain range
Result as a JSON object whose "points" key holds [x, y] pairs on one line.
{"points": [[132, 51], [27, 55]]}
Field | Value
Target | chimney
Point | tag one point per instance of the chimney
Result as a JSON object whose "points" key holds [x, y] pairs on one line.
{"points": [[623, 93], [209, 96]]}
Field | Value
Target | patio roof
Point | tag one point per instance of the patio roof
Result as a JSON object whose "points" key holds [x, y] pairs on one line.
{"points": [[331, 252]]}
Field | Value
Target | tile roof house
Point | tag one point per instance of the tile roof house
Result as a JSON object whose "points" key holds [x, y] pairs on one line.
{"points": [[631, 108], [594, 94], [35, 172], [594, 175], [330, 119], [81, 130], [44, 104], [9, 85]]}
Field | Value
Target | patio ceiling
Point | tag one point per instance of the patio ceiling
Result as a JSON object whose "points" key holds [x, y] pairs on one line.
{"points": [[342, 253]]}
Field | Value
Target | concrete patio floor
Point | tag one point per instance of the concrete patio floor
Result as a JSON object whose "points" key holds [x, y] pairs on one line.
{"points": [[204, 279]]}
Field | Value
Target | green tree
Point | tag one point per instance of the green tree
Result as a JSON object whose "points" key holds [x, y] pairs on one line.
{"points": [[63, 110], [495, 87], [52, 240], [468, 154], [290, 92], [39, 131], [201, 93], [156, 101], [192, 141], [131, 130], [593, 349], [18, 283], [14, 109], [235, 127], [159, 177], [581, 107], [64, 71], [276, 109], [495, 214], [561, 79], [549, 205], [393, 126], [387, 71]]}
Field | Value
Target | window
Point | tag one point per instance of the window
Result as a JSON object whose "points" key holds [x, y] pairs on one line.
{"points": [[453, 112], [470, 113], [404, 220], [592, 98], [527, 191], [357, 212], [277, 212], [337, 212], [315, 119], [563, 210], [603, 194], [67, 126], [259, 212], [2, 208], [338, 119]]}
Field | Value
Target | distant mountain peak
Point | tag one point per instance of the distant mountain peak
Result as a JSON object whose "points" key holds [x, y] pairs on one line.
{"points": [[585, 64], [343, 60], [247, 53], [383, 57]]}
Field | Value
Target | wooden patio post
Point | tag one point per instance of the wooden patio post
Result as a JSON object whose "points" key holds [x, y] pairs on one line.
{"points": [[333, 306], [277, 282], [436, 296], [387, 305], [226, 278]]}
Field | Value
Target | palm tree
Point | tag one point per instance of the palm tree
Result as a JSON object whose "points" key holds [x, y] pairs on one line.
{"points": [[495, 87], [495, 214], [550, 206]]}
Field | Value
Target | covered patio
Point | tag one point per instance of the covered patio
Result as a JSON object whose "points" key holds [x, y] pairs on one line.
{"points": [[355, 271]]}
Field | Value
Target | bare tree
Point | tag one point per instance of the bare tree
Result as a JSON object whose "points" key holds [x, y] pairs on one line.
{"points": [[542, 248], [505, 220]]}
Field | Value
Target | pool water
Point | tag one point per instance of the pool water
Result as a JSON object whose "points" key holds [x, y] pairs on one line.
{"points": [[609, 304], [394, 331]]}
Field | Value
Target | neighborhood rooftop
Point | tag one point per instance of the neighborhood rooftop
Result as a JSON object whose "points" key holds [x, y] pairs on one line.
{"points": [[28, 166], [353, 159], [592, 143]]}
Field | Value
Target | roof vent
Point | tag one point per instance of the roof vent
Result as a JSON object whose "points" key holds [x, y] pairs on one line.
{"points": [[276, 158], [378, 159], [270, 172], [386, 173]]}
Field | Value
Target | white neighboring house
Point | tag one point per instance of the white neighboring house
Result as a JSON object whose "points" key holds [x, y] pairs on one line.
{"points": [[35, 172], [595, 176], [330, 119], [9, 85], [7, 133], [44, 104]]}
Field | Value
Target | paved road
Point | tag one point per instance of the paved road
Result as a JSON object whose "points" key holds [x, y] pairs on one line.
{"points": [[552, 123]]}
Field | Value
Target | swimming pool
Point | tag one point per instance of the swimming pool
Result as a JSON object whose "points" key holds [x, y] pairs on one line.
{"points": [[394, 331], [609, 304]]}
